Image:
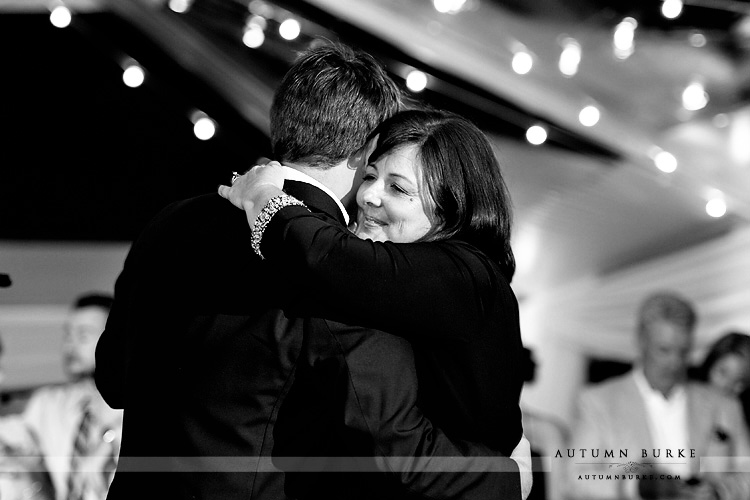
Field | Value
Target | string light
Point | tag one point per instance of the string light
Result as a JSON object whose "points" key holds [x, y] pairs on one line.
{"points": [[623, 39], [536, 135], [570, 57], [416, 81], [522, 62], [589, 116], [253, 36], [665, 161], [448, 6], [133, 76], [180, 6], [694, 97], [671, 9], [697, 39], [60, 17], [290, 29], [204, 127], [716, 207]]}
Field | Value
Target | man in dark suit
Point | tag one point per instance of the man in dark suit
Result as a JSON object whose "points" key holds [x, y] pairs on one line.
{"points": [[199, 353]]}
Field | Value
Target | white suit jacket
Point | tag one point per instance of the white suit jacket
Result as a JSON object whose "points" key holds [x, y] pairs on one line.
{"points": [[612, 416]]}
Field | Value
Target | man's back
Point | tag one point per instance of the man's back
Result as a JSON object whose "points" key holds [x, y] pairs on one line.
{"points": [[196, 355]]}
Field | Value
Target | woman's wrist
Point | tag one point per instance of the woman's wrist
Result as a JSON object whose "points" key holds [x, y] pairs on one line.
{"points": [[264, 194], [265, 215]]}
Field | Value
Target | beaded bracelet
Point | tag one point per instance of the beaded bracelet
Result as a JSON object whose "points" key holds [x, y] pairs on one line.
{"points": [[264, 217]]}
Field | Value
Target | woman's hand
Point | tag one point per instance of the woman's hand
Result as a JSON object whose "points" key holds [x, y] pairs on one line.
{"points": [[255, 188], [247, 188]]}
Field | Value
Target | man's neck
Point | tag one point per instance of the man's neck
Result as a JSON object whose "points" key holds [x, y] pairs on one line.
{"points": [[337, 178], [296, 174]]}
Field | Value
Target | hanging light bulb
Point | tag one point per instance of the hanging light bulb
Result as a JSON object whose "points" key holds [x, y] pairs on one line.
{"points": [[716, 207], [589, 116], [180, 6], [204, 127], [623, 39], [253, 36], [522, 62], [60, 17], [671, 9], [536, 135], [416, 81], [665, 161], [290, 29], [570, 57], [133, 76], [694, 97], [448, 6]]}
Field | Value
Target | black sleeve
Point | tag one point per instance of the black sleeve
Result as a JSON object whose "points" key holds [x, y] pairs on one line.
{"points": [[436, 289]]}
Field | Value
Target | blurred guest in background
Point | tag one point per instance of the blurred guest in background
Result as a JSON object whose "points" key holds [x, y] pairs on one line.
{"points": [[727, 363], [664, 423], [22, 475], [70, 426], [727, 367]]}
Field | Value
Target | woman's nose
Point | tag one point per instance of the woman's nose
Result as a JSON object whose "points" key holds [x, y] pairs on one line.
{"points": [[371, 195]]}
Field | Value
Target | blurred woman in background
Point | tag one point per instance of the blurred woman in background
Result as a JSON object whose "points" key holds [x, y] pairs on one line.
{"points": [[727, 367]]}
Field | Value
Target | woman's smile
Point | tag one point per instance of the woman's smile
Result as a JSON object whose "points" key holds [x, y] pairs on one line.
{"points": [[369, 220]]}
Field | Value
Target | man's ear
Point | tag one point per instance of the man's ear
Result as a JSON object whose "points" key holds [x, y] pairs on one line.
{"points": [[358, 159]]}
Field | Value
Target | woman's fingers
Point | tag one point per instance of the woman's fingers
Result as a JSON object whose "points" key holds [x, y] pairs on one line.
{"points": [[245, 188]]}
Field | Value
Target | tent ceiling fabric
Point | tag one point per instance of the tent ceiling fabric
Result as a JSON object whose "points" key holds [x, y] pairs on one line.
{"points": [[587, 203]]}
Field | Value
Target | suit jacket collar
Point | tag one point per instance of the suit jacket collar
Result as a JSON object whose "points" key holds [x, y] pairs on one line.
{"points": [[635, 410], [316, 199]]}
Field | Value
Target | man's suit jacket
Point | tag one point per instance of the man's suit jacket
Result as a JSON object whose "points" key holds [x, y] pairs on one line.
{"points": [[334, 412], [200, 356], [612, 416]]}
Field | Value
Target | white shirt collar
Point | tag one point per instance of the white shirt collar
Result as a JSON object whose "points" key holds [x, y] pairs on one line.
{"points": [[295, 175], [667, 420], [677, 392]]}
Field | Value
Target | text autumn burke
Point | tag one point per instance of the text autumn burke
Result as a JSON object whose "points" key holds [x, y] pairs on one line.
{"points": [[623, 453]]}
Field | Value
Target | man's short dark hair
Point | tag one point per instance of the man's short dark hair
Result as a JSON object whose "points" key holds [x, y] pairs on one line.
{"points": [[94, 300], [328, 103]]}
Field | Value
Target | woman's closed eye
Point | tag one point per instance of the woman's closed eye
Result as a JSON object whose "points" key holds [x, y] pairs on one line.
{"points": [[396, 187]]}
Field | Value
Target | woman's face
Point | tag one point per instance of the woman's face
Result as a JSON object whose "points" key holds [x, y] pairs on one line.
{"points": [[391, 199], [729, 373]]}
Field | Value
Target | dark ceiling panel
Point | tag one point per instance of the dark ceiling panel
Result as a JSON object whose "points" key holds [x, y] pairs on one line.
{"points": [[87, 158]]}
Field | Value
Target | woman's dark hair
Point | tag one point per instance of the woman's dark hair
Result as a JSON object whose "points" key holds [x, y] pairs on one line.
{"points": [[730, 343], [327, 104], [462, 176]]}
